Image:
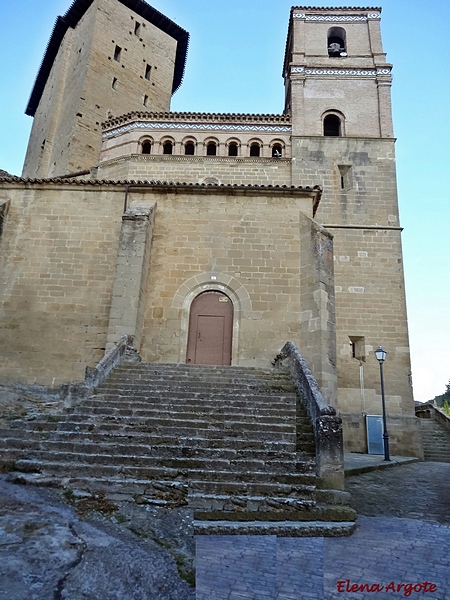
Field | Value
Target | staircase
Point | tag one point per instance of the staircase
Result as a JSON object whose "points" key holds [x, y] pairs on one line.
{"points": [[232, 444], [436, 441]]}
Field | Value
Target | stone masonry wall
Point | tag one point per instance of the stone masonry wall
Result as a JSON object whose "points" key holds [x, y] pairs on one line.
{"points": [[246, 244], [191, 169], [57, 263]]}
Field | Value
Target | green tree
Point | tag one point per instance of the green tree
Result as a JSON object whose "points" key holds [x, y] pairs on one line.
{"points": [[443, 398]]}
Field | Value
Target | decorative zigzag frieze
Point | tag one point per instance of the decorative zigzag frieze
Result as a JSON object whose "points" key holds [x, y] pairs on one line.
{"points": [[197, 127], [336, 18], [349, 72]]}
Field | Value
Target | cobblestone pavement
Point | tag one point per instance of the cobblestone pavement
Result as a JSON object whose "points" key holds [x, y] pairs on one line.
{"points": [[403, 537]]}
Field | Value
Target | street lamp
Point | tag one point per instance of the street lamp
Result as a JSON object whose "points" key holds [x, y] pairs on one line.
{"points": [[381, 357]]}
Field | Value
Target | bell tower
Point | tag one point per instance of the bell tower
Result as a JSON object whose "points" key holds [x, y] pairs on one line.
{"points": [[336, 77], [338, 94]]}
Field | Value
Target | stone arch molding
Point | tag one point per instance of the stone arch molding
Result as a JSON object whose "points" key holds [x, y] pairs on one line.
{"points": [[212, 281]]}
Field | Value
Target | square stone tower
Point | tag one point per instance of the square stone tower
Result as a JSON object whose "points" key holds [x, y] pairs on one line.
{"points": [[103, 59], [338, 95]]}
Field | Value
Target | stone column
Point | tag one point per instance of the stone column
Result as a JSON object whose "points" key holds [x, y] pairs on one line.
{"points": [[129, 291], [318, 322]]}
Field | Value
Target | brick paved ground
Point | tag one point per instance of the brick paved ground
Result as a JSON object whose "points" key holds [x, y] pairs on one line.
{"points": [[405, 539]]}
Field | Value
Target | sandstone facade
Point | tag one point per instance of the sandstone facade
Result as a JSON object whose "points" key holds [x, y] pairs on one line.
{"points": [[293, 217]]}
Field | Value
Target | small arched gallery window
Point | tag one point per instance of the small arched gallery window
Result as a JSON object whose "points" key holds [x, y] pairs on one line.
{"points": [[189, 148], [146, 147], [232, 149], [255, 149], [337, 42], [332, 126], [277, 151], [168, 147], [211, 149]]}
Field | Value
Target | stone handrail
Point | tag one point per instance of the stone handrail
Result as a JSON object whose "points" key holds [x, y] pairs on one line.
{"points": [[77, 390], [115, 355], [326, 424]]}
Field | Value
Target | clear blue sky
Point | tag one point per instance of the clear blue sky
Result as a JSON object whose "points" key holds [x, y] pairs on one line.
{"points": [[234, 65]]}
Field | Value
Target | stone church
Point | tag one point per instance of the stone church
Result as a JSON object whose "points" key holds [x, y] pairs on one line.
{"points": [[210, 238]]}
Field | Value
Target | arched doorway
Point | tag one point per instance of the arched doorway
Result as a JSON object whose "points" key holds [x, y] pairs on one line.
{"points": [[210, 330]]}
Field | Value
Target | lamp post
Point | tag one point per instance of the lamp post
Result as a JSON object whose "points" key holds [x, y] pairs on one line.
{"points": [[381, 357]]}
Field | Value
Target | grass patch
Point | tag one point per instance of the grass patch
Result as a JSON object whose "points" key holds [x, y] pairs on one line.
{"points": [[7, 467], [138, 532], [120, 518]]}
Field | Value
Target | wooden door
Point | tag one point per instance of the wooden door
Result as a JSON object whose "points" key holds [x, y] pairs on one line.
{"points": [[210, 330]]}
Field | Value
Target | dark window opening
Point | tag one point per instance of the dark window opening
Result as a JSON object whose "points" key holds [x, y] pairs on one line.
{"points": [[358, 348], [211, 149], [233, 149], [137, 28], [114, 83], [148, 72], [146, 147], [189, 148], [3, 211], [332, 126], [145, 101], [167, 148], [345, 172], [117, 53], [336, 42], [255, 150], [277, 151]]}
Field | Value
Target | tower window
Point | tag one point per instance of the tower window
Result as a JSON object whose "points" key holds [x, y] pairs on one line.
{"points": [[211, 149], [337, 42], [114, 83], [148, 72], [255, 150], [232, 149], [168, 147], [277, 151], [145, 101], [137, 28], [117, 53], [358, 348], [332, 126], [146, 147], [189, 148], [345, 172]]}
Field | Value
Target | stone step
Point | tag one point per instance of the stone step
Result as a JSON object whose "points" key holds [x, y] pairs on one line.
{"points": [[184, 392], [159, 492], [436, 441], [189, 405], [245, 508], [133, 437], [210, 503], [161, 450], [87, 413], [241, 469], [199, 370], [171, 428], [249, 488], [278, 528]]}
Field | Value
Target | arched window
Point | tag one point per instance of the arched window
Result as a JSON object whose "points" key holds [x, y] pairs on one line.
{"points": [[211, 149], [337, 43], [189, 148], [168, 147], [255, 149], [332, 126], [146, 147], [232, 149], [277, 151]]}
